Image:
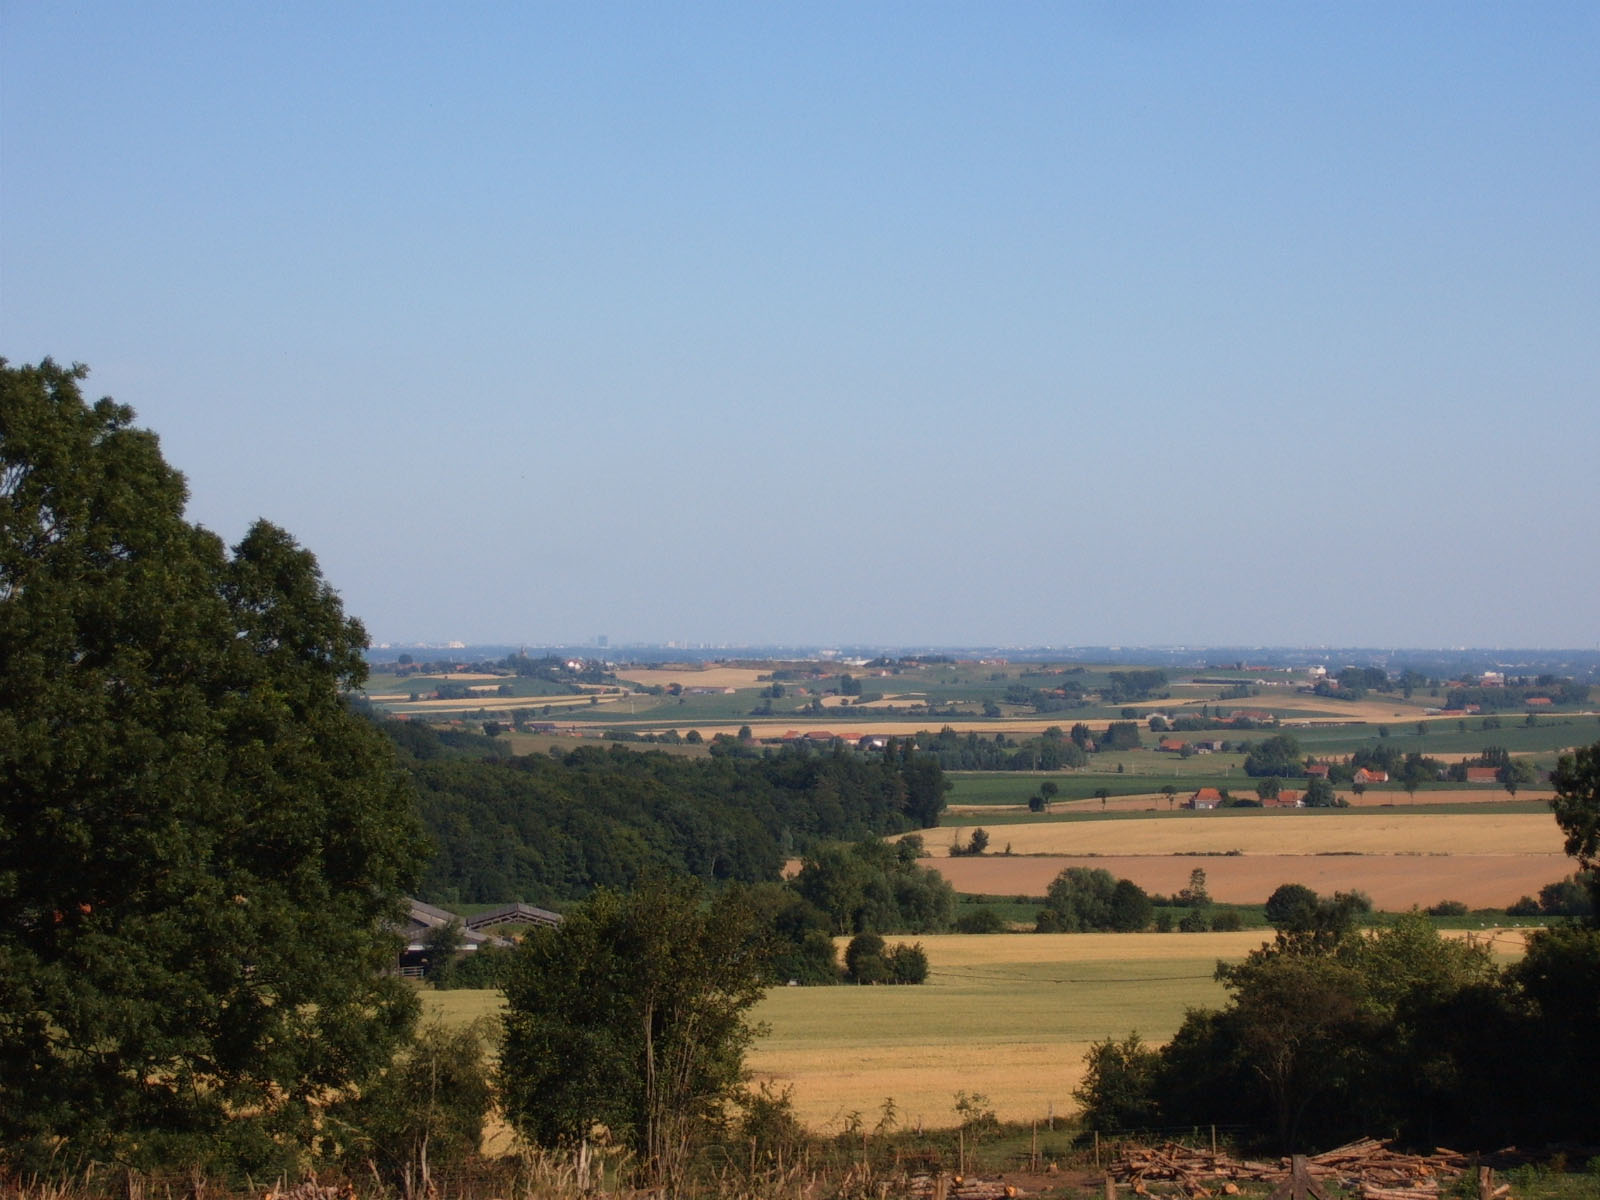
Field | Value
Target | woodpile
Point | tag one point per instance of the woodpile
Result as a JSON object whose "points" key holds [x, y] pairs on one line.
{"points": [[1369, 1168], [959, 1187], [310, 1189]]}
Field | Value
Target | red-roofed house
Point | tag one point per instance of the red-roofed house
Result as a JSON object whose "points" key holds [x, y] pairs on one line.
{"points": [[1483, 775], [1368, 775], [1170, 745], [1206, 797], [1317, 770]]}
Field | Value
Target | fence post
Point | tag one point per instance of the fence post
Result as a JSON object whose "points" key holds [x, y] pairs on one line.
{"points": [[1485, 1183], [1097, 1149], [1033, 1149], [1111, 1187]]}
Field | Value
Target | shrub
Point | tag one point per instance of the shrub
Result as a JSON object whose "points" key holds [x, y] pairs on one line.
{"points": [[868, 960], [1194, 921], [986, 920], [428, 1108], [864, 960], [1118, 1085], [908, 964]]}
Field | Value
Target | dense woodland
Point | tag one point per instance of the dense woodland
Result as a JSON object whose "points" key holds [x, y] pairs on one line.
{"points": [[545, 829]]}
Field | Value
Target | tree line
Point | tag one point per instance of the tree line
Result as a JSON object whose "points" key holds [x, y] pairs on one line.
{"points": [[545, 828]]}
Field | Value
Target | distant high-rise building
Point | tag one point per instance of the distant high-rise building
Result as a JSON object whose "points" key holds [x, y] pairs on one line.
{"points": [[602, 641]]}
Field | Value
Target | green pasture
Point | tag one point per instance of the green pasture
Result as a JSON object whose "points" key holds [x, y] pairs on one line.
{"points": [[1077, 998], [1549, 733], [1159, 811], [424, 685], [1014, 993], [1009, 787]]}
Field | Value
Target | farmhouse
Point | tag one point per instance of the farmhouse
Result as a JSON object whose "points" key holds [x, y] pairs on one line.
{"points": [[1483, 774], [1171, 745], [1371, 775], [1206, 797], [1317, 770], [423, 919]]}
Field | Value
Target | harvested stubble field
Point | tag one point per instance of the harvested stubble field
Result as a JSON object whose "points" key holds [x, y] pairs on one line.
{"points": [[1287, 831], [1484, 860], [690, 676]]}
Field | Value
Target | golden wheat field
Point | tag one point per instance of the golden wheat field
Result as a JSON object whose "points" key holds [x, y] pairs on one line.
{"points": [[691, 676], [1399, 859], [1009, 1016], [1290, 831]]}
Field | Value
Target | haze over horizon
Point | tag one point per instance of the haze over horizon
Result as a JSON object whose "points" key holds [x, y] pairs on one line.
{"points": [[1124, 325]]}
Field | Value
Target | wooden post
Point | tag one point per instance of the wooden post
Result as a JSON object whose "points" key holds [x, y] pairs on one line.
{"points": [[1033, 1149], [961, 1151], [1111, 1187], [1485, 1183], [1097, 1149], [1213, 1139]]}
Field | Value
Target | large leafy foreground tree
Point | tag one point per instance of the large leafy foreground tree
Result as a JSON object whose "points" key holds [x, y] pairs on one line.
{"points": [[200, 847]]}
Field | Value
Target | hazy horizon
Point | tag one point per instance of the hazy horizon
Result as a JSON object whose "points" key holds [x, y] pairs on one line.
{"points": [[884, 325]]}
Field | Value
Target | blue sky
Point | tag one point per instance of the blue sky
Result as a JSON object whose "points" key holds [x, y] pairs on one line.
{"points": [[894, 323]]}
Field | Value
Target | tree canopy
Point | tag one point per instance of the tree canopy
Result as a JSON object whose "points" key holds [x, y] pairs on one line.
{"points": [[1577, 802], [201, 849], [631, 1015], [543, 829]]}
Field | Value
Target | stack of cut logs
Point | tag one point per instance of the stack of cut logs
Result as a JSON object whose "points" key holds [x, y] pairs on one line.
{"points": [[1369, 1168], [310, 1189], [957, 1187]]}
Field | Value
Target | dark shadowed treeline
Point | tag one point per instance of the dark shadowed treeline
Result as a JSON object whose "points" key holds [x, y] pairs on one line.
{"points": [[544, 829]]}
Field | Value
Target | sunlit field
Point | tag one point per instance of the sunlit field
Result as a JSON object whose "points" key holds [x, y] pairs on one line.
{"points": [[1288, 831], [1009, 1016]]}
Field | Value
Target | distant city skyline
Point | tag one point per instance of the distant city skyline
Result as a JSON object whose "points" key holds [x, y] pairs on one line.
{"points": [[1093, 324]]}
